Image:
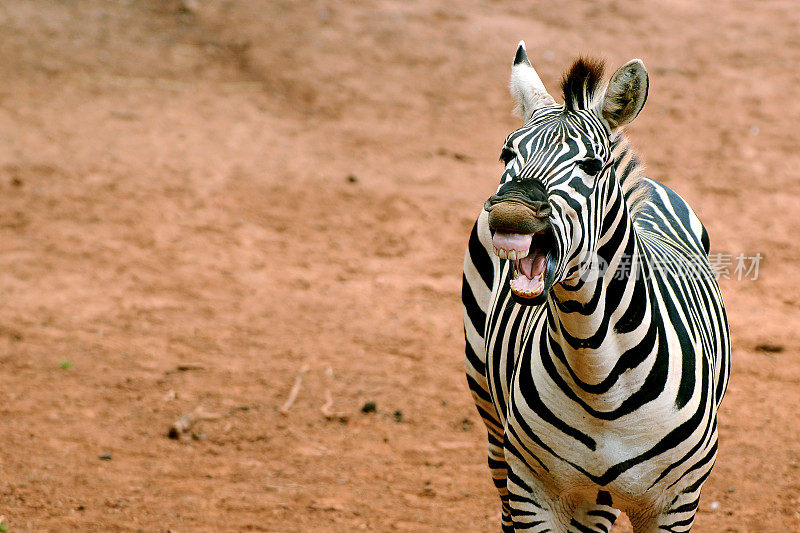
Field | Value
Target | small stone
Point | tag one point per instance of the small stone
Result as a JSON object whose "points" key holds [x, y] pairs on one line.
{"points": [[398, 416], [352, 178], [714, 506], [189, 6], [185, 367], [769, 347], [105, 457], [369, 407]]}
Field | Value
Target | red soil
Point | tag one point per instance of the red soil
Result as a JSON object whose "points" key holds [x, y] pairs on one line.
{"points": [[243, 188]]}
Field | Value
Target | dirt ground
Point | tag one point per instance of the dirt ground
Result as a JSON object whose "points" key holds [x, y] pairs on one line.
{"points": [[203, 200]]}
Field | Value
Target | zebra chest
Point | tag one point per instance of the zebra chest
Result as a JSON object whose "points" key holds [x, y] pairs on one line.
{"points": [[569, 438], [571, 452]]}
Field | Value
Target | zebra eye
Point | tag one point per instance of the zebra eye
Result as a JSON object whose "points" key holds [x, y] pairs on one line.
{"points": [[507, 155], [590, 166]]}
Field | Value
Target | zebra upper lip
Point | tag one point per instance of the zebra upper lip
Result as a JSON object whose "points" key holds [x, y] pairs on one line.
{"points": [[539, 209]]}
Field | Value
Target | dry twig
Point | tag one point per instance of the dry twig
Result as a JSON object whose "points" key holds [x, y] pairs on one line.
{"points": [[326, 407], [295, 389]]}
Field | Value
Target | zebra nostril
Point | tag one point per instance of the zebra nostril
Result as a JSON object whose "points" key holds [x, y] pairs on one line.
{"points": [[541, 209], [493, 199]]}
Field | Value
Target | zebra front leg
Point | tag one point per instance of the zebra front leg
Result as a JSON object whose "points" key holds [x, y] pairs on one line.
{"points": [[499, 469], [678, 518], [661, 524], [497, 462], [532, 510]]}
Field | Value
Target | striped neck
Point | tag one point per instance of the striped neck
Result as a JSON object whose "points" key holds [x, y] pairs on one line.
{"points": [[595, 325]]}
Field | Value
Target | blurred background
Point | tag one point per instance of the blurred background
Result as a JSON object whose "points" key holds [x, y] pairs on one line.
{"points": [[242, 224]]}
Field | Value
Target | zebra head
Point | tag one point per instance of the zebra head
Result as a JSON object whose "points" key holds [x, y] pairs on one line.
{"points": [[547, 215]]}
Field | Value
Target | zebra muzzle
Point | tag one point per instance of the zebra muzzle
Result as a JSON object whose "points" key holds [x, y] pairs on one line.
{"points": [[514, 216]]}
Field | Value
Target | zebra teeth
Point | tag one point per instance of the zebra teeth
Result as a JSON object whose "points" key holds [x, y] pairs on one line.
{"points": [[513, 255], [513, 245]]}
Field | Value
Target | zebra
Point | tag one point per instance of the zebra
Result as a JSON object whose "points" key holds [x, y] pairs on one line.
{"points": [[597, 343]]}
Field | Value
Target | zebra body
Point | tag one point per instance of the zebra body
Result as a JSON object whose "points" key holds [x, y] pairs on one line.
{"points": [[598, 386]]}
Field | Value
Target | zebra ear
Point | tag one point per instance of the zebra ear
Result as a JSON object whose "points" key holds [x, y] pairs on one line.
{"points": [[625, 94], [526, 87]]}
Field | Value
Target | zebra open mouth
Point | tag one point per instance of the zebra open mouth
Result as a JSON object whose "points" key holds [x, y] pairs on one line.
{"points": [[532, 258]]}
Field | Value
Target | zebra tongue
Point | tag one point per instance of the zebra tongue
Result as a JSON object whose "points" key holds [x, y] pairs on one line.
{"points": [[512, 241], [533, 265]]}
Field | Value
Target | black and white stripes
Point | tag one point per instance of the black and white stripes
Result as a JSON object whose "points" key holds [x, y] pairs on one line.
{"points": [[599, 390]]}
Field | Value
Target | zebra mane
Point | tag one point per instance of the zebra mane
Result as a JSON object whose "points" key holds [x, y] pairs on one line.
{"points": [[581, 84], [630, 172]]}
